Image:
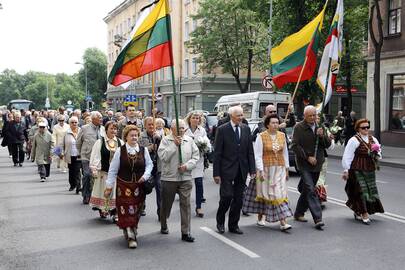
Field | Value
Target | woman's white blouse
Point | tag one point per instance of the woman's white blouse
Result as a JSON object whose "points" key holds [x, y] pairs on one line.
{"points": [[258, 149], [115, 164], [351, 147]]}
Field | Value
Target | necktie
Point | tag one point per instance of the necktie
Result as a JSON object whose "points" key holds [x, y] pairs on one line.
{"points": [[237, 134]]}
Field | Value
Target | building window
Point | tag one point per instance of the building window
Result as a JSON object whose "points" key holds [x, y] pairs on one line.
{"points": [[394, 17], [190, 103], [169, 73], [397, 115], [169, 106], [162, 74], [186, 68], [194, 66], [186, 31]]}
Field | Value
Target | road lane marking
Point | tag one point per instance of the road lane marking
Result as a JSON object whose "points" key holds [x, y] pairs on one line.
{"points": [[231, 243], [387, 215]]}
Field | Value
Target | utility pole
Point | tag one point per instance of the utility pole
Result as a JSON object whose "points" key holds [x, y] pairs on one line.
{"points": [[270, 36]]}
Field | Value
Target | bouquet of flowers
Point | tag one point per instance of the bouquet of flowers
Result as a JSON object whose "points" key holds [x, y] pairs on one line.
{"points": [[374, 153], [203, 145], [334, 129]]}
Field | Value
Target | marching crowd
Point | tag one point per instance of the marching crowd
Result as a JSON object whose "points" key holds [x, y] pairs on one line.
{"points": [[115, 160]]}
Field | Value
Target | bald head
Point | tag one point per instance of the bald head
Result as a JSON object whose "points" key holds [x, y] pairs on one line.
{"points": [[310, 114]]}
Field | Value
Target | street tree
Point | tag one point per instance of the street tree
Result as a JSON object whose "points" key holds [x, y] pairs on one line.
{"points": [[95, 63], [375, 24], [230, 36]]}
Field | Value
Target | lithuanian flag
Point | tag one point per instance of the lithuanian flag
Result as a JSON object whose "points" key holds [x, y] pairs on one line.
{"points": [[288, 58], [149, 47]]}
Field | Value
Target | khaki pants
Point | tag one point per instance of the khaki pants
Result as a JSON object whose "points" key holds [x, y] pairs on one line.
{"points": [[168, 192]]}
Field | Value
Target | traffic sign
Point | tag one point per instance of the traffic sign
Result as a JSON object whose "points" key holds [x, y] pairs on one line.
{"points": [[130, 100], [267, 83], [88, 98]]}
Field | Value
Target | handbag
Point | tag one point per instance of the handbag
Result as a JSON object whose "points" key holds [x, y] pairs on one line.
{"points": [[148, 186]]}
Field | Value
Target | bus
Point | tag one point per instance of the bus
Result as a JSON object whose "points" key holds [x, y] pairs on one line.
{"points": [[19, 104]]}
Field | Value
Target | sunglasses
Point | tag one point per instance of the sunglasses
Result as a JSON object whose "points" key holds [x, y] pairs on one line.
{"points": [[367, 127], [73, 122], [41, 127]]}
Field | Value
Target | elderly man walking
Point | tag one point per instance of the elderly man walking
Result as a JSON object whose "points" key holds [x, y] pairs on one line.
{"points": [[233, 160], [59, 132], [176, 177], [309, 163], [86, 138]]}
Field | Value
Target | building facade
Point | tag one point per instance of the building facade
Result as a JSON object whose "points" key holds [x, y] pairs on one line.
{"points": [[392, 75], [195, 89]]}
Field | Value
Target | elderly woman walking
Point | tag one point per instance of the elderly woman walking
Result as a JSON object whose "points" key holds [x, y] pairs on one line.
{"points": [[101, 156], [176, 176], [195, 129], [41, 152], [71, 154], [359, 162], [267, 194], [129, 168]]}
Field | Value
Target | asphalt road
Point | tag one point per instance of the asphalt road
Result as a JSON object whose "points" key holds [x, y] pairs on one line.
{"points": [[44, 226]]}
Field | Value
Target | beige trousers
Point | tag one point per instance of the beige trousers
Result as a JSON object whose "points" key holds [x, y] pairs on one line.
{"points": [[168, 192]]}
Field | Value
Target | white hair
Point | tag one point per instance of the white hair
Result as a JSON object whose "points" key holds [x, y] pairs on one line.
{"points": [[73, 118], [181, 123], [95, 114], [77, 111], [309, 108], [235, 109], [160, 120]]}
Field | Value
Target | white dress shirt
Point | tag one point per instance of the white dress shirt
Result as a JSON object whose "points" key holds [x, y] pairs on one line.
{"points": [[115, 164]]}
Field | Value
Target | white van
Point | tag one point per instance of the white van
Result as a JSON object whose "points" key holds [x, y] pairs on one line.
{"points": [[254, 104]]}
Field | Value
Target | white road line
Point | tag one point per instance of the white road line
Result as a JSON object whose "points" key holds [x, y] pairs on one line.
{"points": [[230, 243], [386, 215]]}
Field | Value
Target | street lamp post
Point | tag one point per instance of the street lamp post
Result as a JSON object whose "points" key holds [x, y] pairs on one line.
{"points": [[87, 91]]}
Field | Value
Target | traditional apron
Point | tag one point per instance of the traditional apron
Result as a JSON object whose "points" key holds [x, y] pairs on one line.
{"points": [[130, 196]]}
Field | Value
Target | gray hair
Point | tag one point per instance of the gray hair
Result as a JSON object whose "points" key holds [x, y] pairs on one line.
{"points": [[160, 120], [309, 108], [234, 109], [181, 123], [73, 118], [95, 114]]}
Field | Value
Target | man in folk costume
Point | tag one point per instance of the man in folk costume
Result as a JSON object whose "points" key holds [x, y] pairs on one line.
{"points": [[309, 162]]}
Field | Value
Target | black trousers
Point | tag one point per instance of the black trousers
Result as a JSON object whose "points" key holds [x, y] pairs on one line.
{"points": [[308, 197], [44, 170], [74, 172], [17, 152], [231, 197]]}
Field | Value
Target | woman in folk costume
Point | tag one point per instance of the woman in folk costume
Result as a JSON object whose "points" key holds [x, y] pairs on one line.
{"points": [[267, 194], [195, 129], [129, 168], [321, 186], [101, 156], [359, 162]]}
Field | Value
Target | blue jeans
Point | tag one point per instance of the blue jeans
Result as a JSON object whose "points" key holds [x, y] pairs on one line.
{"points": [[199, 191]]}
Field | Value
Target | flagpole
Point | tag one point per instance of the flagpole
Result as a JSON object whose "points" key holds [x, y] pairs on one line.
{"points": [[296, 88], [169, 34], [153, 98], [323, 106]]}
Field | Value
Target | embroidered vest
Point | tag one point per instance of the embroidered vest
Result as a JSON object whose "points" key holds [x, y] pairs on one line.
{"points": [[106, 155], [132, 167], [362, 161], [271, 157]]}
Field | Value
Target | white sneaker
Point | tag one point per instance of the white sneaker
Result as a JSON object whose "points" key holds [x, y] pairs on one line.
{"points": [[43, 179], [285, 227], [132, 243], [261, 223]]}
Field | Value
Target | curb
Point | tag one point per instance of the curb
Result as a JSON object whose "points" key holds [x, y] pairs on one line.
{"points": [[381, 163]]}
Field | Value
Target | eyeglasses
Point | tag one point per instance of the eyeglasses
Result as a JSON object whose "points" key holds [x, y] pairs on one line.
{"points": [[272, 111], [41, 127], [363, 128], [73, 122], [61, 120]]}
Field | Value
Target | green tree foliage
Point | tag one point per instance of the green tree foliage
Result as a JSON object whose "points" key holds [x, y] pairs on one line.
{"points": [[95, 61], [231, 36], [61, 87]]}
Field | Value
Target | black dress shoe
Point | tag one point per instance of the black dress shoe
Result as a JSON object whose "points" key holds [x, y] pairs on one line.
{"points": [[236, 231], [20, 164], [164, 230], [221, 228], [78, 190], [187, 238], [246, 214], [203, 200], [15, 164], [86, 201], [143, 213], [71, 188]]}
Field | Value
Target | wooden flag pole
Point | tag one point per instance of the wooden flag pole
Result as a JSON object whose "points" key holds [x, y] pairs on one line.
{"points": [[296, 88], [153, 98]]}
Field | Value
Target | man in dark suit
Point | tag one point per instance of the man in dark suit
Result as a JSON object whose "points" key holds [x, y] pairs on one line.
{"points": [[309, 160], [16, 134], [233, 160]]}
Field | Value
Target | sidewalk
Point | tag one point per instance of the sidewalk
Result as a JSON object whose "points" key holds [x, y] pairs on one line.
{"points": [[392, 156]]}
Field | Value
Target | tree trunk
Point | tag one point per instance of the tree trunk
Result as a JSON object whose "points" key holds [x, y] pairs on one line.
{"points": [[237, 79], [377, 40], [249, 71]]}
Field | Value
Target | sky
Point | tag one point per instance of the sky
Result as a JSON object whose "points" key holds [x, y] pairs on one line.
{"points": [[51, 35]]}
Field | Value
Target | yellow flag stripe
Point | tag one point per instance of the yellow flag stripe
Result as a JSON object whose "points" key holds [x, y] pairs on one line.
{"points": [[298, 40], [159, 11]]}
